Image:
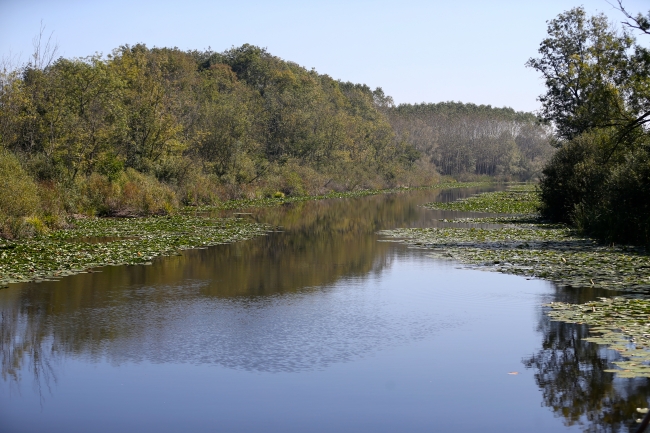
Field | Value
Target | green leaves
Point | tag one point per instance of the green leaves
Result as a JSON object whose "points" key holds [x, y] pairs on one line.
{"points": [[98, 242], [517, 200], [584, 62], [618, 323]]}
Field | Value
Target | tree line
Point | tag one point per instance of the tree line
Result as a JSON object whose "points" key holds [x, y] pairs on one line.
{"points": [[145, 130], [466, 140]]}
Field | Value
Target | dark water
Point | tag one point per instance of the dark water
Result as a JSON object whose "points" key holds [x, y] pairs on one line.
{"points": [[318, 328]]}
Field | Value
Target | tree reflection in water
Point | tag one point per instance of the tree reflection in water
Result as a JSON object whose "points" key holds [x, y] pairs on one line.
{"points": [[570, 373], [98, 315], [26, 349]]}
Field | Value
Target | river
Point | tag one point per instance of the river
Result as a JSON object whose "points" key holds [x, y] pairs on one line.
{"points": [[320, 326]]}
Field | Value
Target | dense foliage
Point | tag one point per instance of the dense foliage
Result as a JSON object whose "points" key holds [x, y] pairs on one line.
{"points": [[598, 98], [145, 130], [465, 140]]}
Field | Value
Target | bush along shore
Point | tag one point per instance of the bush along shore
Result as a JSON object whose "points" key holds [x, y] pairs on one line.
{"points": [[88, 243], [523, 244]]}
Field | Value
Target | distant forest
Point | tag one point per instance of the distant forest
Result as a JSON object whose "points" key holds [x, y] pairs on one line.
{"points": [[145, 130], [465, 140]]}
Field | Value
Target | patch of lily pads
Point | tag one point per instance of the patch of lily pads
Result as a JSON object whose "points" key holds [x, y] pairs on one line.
{"points": [[130, 241], [519, 199], [523, 244], [621, 324], [543, 251]]}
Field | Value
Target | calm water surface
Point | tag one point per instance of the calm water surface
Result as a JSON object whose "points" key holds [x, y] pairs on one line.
{"points": [[317, 328]]}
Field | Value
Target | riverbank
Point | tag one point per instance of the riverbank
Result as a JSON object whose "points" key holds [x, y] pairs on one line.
{"points": [[276, 201], [90, 243]]}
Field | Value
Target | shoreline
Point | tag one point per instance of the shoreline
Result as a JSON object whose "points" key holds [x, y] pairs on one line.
{"points": [[103, 241]]}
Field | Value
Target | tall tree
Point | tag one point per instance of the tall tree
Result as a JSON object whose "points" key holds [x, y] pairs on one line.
{"points": [[585, 65]]}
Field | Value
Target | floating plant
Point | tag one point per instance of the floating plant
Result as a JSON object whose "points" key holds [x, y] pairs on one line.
{"points": [[520, 199], [130, 241], [525, 245], [620, 324]]}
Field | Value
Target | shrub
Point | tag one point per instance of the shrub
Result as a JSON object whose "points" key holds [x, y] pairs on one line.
{"points": [[19, 197], [101, 195], [198, 189], [133, 193], [623, 212], [142, 195], [54, 200], [602, 193], [573, 177]]}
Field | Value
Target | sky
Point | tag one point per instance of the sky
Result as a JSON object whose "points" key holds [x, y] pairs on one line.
{"points": [[415, 50]]}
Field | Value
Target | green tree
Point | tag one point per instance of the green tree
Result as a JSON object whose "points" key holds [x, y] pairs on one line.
{"points": [[152, 130], [598, 96], [585, 66], [90, 112]]}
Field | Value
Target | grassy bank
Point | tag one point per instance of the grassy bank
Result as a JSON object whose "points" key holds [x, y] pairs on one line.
{"points": [[276, 201]]}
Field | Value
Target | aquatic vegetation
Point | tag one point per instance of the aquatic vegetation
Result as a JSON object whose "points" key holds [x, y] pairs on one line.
{"points": [[526, 245], [94, 242], [279, 200], [550, 252], [131, 241], [618, 323], [519, 199]]}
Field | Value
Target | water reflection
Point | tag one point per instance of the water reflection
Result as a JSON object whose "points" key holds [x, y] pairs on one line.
{"points": [[220, 305], [298, 300], [569, 372]]}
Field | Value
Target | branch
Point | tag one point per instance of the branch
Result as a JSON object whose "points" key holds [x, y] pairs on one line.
{"points": [[628, 129], [43, 55], [640, 22]]}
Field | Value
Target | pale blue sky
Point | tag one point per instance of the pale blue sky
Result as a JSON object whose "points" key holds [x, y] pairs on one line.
{"points": [[417, 51]]}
